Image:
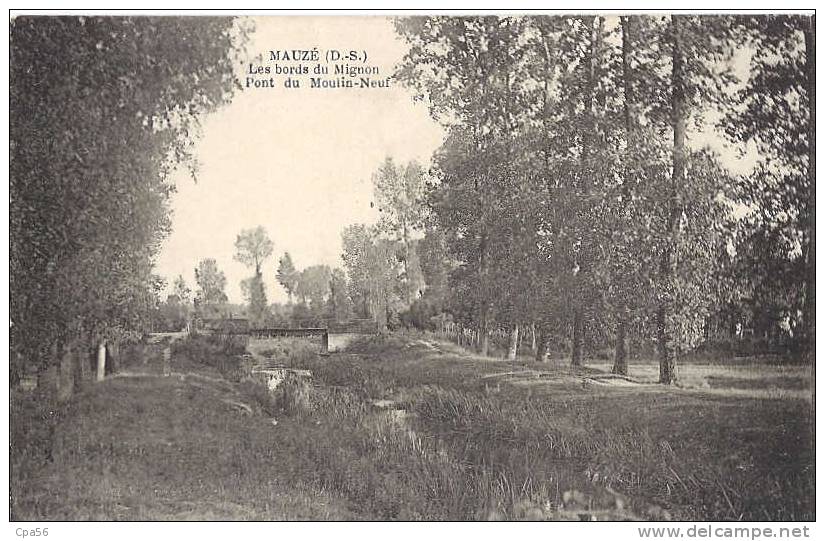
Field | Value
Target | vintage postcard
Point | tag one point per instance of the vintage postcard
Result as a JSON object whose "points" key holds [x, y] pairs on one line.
{"points": [[413, 267]]}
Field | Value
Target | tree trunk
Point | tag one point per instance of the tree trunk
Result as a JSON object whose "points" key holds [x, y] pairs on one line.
{"points": [[82, 355], [809, 307], [405, 264], [65, 373], [620, 360], [541, 347], [549, 70], [484, 307], [596, 25], [627, 29], [483, 335], [101, 361], [513, 350], [810, 257], [667, 361], [114, 357], [533, 337], [576, 355]]}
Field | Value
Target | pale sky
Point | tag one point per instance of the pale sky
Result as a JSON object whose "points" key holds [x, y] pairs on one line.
{"points": [[299, 162]]}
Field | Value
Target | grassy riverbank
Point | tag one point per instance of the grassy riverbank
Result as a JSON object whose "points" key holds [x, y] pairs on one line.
{"points": [[409, 428]]}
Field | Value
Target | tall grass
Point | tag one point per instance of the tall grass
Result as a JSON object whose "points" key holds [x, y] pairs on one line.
{"points": [[440, 444], [288, 350], [225, 353], [653, 455]]}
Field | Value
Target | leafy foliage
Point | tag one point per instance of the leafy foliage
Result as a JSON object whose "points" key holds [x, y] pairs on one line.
{"points": [[254, 292], [211, 296], [568, 192], [288, 276], [252, 247], [399, 192], [372, 268], [774, 112], [102, 110]]}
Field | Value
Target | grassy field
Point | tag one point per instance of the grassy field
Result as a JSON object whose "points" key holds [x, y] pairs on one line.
{"points": [[414, 428]]}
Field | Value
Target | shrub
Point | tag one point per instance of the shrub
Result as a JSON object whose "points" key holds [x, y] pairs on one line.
{"points": [[226, 353], [295, 395], [291, 351], [260, 397]]}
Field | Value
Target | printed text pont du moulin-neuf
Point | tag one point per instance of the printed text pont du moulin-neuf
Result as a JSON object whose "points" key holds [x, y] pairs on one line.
{"points": [[313, 68]]}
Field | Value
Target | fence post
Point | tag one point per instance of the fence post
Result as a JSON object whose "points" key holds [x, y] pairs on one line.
{"points": [[101, 361], [325, 343]]}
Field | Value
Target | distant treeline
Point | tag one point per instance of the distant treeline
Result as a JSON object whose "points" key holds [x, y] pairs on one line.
{"points": [[572, 195]]}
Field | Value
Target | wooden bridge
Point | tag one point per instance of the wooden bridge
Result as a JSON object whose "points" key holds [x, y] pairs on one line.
{"points": [[279, 332], [240, 326]]}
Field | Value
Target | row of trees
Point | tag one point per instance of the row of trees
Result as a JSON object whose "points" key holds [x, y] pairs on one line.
{"points": [[397, 269], [567, 195], [320, 291], [102, 109], [387, 267]]}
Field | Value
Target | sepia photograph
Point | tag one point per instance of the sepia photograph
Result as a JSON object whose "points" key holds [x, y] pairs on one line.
{"points": [[417, 266]]}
